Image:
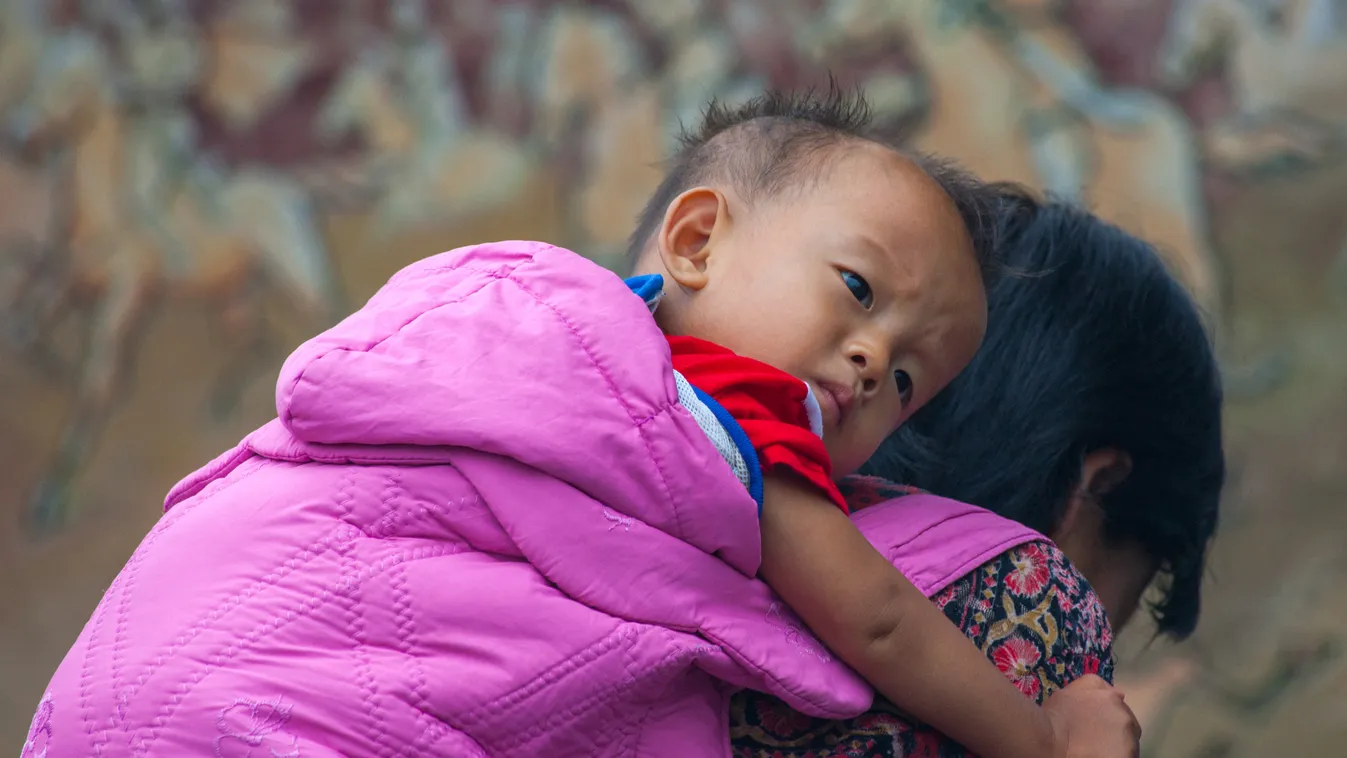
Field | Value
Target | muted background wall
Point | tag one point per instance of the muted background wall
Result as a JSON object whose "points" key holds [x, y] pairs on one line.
{"points": [[188, 189]]}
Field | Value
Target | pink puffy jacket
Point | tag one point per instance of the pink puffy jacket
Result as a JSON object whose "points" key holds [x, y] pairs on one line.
{"points": [[481, 526]]}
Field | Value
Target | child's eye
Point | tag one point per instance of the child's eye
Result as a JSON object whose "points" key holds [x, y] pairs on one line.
{"points": [[859, 288], [904, 386]]}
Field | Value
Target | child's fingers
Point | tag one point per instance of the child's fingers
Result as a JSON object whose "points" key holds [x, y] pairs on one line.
{"points": [[1133, 724]]}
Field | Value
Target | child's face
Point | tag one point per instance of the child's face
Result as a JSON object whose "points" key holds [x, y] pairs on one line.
{"points": [[865, 285]]}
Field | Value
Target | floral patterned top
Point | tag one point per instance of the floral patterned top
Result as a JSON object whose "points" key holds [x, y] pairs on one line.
{"points": [[1029, 610]]}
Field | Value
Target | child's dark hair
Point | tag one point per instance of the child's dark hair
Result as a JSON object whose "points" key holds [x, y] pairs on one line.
{"points": [[1100, 348], [782, 140]]}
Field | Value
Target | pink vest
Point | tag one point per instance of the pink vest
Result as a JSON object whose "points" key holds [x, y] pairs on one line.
{"points": [[936, 541], [425, 554]]}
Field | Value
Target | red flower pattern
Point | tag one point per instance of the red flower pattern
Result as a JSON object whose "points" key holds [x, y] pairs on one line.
{"points": [[1030, 573], [1018, 659]]}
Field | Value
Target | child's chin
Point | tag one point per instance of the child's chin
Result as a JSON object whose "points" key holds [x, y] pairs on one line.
{"points": [[844, 462]]}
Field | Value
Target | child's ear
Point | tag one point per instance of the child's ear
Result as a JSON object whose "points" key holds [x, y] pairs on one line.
{"points": [[693, 222]]}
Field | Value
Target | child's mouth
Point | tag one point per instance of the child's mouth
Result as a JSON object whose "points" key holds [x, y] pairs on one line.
{"points": [[835, 399]]}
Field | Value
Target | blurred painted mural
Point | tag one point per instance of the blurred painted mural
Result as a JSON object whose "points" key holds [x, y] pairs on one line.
{"points": [[187, 189]]}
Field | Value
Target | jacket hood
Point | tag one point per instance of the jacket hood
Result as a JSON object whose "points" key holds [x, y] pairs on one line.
{"points": [[529, 352]]}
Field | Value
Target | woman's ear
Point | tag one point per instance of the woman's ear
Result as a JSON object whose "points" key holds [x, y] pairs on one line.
{"points": [[1118, 571], [1101, 472], [693, 222]]}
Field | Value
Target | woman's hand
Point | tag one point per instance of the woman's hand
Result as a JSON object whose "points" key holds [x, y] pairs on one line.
{"points": [[1090, 720]]}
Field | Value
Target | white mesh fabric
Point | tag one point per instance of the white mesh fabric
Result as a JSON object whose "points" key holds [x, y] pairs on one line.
{"points": [[706, 419]]}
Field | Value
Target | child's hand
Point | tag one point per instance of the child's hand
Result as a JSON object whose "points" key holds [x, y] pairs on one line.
{"points": [[1090, 720]]}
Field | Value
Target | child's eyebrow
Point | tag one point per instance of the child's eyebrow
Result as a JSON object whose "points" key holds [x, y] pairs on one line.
{"points": [[897, 272], [868, 245]]}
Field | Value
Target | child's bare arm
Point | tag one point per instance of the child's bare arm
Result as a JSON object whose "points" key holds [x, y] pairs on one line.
{"points": [[875, 620]]}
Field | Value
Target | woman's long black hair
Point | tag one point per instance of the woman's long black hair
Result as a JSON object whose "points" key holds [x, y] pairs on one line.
{"points": [[1091, 344]]}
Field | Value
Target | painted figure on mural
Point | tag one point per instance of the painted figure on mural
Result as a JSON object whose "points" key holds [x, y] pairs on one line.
{"points": [[159, 64], [363, 100], [1013, 96], [198, 233], [23, 33], [1011, 92], [603, 109], [25, 229], [1286, 64], [258, 56], [403, 97]]}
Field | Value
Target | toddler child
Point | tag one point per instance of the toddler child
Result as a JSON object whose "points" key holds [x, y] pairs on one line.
{"points": [[796, 247], [493, 516]]}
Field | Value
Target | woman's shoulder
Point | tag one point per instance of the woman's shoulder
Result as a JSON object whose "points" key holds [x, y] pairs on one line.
{"points": [[1028, 605], [1033, 614], [1028, 609]]}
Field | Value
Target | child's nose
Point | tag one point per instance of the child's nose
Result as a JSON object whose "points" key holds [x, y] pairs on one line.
{"points": [[866, 366]]}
